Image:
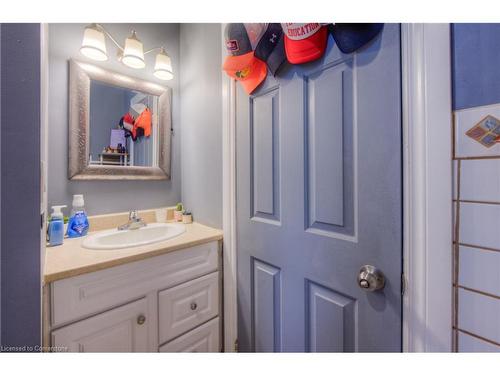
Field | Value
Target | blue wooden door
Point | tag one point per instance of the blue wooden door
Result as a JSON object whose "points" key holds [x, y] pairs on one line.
{"points": [[319, 194]]}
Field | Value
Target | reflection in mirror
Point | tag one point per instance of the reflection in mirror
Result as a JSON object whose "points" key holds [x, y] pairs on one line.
{"points": [[123, 126]]}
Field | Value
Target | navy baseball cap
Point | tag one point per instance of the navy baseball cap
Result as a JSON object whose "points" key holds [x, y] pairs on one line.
{"points": [[271, 47], [349, 37]]}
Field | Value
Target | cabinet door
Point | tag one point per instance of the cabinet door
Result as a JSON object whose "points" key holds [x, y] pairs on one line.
{"points": [[204, 339], [123, 329]]}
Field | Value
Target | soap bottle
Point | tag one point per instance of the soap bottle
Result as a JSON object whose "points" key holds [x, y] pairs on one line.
{"points": [[56, 226], [78, 224]]}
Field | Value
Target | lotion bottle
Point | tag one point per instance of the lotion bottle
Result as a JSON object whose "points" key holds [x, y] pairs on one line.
{"points": [[56, 226]]}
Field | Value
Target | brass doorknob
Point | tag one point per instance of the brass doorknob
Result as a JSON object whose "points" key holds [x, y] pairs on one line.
{"points": [[371, 278]]}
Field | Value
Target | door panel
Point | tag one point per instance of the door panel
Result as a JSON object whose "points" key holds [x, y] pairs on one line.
{"points": [[318, 196], [266, 307], [264, 143], [328, 161], [331, 320]]}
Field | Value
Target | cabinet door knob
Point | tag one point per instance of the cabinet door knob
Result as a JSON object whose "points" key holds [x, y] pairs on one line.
{"points": [[194, 306], [141, 319]]}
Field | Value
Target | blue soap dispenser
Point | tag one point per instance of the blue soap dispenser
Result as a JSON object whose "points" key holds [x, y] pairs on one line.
{"points": [[78, 224], [56, 226]]}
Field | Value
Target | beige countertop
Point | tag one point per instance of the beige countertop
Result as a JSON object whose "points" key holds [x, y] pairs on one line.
{"points": [[71, 259]]}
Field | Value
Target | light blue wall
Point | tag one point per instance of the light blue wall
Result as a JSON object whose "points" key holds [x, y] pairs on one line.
{"points": [[201, 117], [476, 64], [108, 196], [107, 105]]}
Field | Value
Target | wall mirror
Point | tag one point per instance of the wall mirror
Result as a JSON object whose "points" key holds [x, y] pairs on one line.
{"points": [[120, 127]]}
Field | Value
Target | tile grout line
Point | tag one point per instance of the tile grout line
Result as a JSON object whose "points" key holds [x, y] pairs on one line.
{"points": [[453, 136], [476, 202], [477, 157], [456, 258], [472, 290], [476, 336], [476, 247]]}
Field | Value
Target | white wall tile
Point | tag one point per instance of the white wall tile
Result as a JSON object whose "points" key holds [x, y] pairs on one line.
{"points": [[479, 314], [480, 180], [480, 269], [480, 224], [469, 344], [465, 119]]}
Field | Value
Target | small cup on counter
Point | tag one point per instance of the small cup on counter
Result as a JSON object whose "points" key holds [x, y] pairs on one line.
{"points": [[161, 215], [187, 218]]}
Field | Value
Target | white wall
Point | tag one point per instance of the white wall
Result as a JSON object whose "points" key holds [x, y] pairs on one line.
{"points": [[201, 119], [108, 196]]}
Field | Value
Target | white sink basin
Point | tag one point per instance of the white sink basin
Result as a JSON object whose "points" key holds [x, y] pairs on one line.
{"points": [[120, 239]]}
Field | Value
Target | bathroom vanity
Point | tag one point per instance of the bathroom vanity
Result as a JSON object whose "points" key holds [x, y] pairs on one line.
{"points": [[162, 297]]}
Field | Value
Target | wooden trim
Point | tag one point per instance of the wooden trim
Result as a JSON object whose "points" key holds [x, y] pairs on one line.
{"points": [[229, 206], [427, 154]]}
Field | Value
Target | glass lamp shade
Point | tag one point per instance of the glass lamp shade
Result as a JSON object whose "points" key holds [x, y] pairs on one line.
{"points": [[93, 44], [163, 67], [133, 53]]}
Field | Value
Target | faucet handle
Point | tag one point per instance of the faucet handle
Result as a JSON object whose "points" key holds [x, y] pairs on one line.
{"points": [[133, 215]]}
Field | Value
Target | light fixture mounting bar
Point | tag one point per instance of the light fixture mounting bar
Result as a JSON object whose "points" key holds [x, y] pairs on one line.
{"points": [[153, 49], [109, 36], [118, 44]]}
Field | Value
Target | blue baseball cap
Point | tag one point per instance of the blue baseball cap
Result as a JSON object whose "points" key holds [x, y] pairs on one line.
{"points": [[350, 37]]}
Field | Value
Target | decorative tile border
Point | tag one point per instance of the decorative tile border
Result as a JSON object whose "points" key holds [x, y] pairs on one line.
{"points": [[465, 146]]}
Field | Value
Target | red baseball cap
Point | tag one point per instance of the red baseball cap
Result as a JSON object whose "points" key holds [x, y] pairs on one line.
{"points": [[247, 69], [304, 42], [241, 64]]}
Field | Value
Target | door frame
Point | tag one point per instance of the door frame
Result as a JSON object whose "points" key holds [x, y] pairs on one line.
{"points": [[427, 187], [427, 191]]}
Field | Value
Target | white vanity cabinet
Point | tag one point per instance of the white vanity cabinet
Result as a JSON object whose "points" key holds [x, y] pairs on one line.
{"points": [[168, 303]]}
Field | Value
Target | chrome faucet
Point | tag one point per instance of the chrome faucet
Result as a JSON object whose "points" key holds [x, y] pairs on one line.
{"points": [[134, 222]]}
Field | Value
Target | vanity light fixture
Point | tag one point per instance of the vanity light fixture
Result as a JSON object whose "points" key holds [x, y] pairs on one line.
{"points": [[131, 55], [163, 66]]}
